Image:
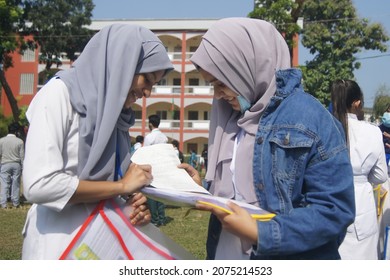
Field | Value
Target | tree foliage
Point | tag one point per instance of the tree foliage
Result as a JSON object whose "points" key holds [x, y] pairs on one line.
{"points": [[381, 102], [11, 20], [58, 26], [10, 17], [283, 14], [334, 35]]}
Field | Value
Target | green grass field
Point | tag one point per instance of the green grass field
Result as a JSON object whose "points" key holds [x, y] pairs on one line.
{"points": [[188, 229]]}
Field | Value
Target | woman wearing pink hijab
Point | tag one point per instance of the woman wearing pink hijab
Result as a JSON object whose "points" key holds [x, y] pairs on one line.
{"points": [[271, 145]]}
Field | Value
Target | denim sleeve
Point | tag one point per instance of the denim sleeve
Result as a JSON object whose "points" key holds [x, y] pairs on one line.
{"points": [[328, 193]]}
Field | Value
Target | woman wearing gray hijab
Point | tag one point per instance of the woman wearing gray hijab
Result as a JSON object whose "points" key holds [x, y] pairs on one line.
{"points": [[78, 145], [271, 145]]}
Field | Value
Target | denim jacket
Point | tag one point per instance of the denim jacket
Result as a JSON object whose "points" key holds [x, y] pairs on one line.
{"points": [[302, 172]]}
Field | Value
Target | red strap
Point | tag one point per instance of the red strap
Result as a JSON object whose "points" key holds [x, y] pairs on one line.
{"points": [[99, 209], [137, 233], [82, 229], [117, 234]]}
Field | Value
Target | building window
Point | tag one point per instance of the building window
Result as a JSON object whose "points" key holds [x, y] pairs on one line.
{"points": [[176, 81], [162, 114], [28, 56], [176, 115], [193, 82], [162, 82], [193, 115], [206, 115], [26, 84], [137, 114], [176, 85]]}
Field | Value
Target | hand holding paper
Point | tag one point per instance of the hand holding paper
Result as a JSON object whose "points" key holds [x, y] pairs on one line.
{"points": [[166, 174], [140, 214], [174, 186], [237, 221]]}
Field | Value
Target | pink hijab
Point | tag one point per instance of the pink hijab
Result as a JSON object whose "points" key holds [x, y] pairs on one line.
{"points": [[244, 54]]}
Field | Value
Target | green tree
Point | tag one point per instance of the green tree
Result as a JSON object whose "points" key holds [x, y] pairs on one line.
{"points": [[4, 123], [11, 19], [334, 35], [283, 14], [381, 102], [58, 26]]}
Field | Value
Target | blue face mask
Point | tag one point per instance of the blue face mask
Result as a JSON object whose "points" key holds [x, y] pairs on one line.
{"points": [[244, 104], [386, 119]]}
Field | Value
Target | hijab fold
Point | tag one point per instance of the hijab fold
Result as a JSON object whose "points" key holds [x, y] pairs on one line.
{"points": [[98, 84], [244, 54]]}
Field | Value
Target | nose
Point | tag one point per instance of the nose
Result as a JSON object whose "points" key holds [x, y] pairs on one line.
{"points": [[147, 91], [218, 94]]}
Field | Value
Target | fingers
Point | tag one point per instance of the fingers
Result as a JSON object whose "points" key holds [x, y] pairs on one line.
{"points": [[145, 167], [234, 207], [192, 172], [189, 168], [140, 214], [217, 212], [137, 176], [138, 199], [139, 209], [203, 207], [141, 218]]}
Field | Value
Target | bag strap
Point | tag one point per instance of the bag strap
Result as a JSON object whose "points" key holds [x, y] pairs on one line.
{"points": [[139, 235], [116, 233], [82, 230], [99, 209]]}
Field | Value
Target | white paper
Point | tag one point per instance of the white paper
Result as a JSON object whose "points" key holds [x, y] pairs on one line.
{"points": [[166, 174], [173, 186], [188, 199]]}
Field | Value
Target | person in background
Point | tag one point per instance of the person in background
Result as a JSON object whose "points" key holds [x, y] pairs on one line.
{"points": [[78, 143], [11, 165], [179, 153], [155, 136], [139, 141], [204, 155], [193, 159], [384, 210], [369, 168], [271, 145], [385, 128]]}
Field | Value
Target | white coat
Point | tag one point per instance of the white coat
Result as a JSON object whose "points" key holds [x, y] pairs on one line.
{"points": [[50, 175], [369, 168]]}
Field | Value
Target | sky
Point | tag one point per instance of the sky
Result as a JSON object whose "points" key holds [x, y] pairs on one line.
{"points": [[374, 70]]}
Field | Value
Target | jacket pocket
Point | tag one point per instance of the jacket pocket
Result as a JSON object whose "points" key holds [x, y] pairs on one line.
{"points": [[366, 225], [290, 149]]}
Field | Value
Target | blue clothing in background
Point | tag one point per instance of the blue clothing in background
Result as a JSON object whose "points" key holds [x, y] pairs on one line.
{"points": [[386, 140]]}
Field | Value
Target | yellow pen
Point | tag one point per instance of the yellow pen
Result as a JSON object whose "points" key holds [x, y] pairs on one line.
{"points": [[260, 217]]}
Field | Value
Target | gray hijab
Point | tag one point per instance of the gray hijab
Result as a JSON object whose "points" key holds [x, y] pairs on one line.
{"points": [[98, 85], [244, 54]]}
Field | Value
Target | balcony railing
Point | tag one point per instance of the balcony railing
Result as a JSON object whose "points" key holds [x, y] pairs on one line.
{"points": [[175, 124], [175, 56], [175, 90]]}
